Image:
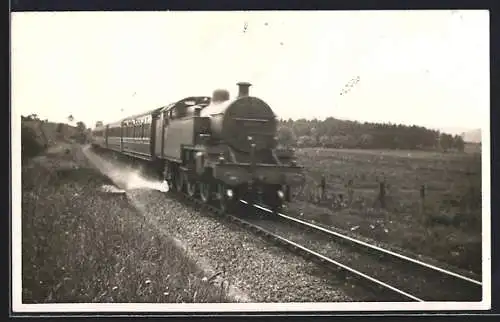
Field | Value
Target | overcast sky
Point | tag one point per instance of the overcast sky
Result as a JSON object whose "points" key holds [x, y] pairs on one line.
{"points": [[428, 68]]}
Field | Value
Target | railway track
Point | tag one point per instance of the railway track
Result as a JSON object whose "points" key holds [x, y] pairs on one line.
{"points": [[393, 276], [410, 278]]}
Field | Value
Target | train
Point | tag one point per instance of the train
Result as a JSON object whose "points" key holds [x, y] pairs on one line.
{"points": [[215, 148]]}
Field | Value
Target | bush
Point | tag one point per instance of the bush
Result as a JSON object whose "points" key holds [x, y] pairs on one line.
{"points": [[30, 144], [79, 138]]}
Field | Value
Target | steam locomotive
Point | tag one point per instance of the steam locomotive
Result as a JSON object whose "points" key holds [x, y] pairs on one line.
{"points": [[214, 148]]}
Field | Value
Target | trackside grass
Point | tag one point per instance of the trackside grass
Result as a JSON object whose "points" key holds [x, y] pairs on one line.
{"points": [[83, 245]]}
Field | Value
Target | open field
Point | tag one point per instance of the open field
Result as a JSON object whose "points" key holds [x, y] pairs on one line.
{"points": [[431, 201], [82, 244]]}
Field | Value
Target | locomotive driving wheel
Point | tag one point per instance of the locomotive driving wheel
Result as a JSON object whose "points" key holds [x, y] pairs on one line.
{"points": [[205, 189], [179, 181], [191, 187]]}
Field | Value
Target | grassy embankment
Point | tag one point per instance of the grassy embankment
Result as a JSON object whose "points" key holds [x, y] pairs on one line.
{"points": [[83, 245]]}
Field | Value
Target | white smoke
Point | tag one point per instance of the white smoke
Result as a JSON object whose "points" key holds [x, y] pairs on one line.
{"points": [[125, 177]]}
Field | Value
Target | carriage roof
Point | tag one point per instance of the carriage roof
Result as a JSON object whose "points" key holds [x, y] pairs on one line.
{"points": [[183, 103], [150, 112]]}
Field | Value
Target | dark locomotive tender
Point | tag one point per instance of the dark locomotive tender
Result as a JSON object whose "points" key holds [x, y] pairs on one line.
{"points": [[217, 148]]}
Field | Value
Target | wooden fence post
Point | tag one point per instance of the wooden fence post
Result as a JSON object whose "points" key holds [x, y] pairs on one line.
{"points": [[350, 192], [381, 195], [323, 187], [422, 202]]}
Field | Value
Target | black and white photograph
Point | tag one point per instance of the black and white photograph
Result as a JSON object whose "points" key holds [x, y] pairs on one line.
{"points": [[250, 161]]}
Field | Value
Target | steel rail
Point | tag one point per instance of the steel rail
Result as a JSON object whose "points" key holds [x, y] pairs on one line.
{"points": [[370, 246], [326, 259]]}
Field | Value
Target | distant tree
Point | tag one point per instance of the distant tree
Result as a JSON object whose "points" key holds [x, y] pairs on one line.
{"points": [[70, 118], [31, 117], [458, 143], [80, 135], [305, 141], [81, 126], [365, 140], [286, 136], [315, 135], [98, 123], [445, 141], [343, 141], [325, 141], [333, 132]]}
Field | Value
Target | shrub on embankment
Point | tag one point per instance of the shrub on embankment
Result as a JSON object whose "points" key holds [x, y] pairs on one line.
{"points": [[31, 144]]}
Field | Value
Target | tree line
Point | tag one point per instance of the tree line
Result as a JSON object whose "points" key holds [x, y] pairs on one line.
{"points": [[63, 131], [335, 133]]}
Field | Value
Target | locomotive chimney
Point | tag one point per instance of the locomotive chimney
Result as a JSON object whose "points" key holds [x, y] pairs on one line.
{"points": [[243, 89]]}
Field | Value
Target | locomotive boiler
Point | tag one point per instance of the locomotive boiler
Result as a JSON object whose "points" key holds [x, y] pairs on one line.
{"points": [[216, 148]]}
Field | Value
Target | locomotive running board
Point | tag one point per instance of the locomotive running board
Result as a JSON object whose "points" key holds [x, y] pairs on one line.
{"points": [[138, 155]]}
